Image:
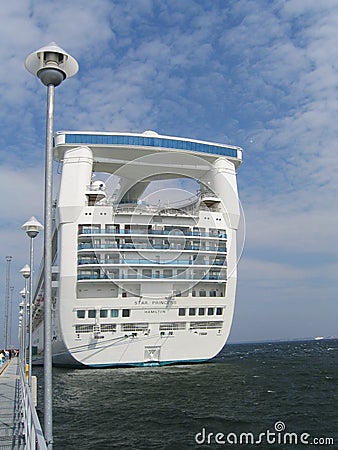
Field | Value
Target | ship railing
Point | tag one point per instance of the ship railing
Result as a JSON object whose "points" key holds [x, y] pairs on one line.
{"points": [[88, 245], [170, 232], [149, 261], [158, 210], [216, 207], [208, 193], [103, 276], [34, 437], [169, 207]]}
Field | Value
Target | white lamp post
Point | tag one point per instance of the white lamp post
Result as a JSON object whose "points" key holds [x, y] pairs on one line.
{"points": [[25, 272], [21, 306], [20, 323], [32, 228], [52, 65], [7, 301], [10, 315]]}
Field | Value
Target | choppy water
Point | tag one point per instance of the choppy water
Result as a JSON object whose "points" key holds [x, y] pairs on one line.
{"points": [[249, 388]]}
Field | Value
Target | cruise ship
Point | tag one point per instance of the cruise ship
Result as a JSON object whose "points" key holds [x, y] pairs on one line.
{"points": [[144, 270]]}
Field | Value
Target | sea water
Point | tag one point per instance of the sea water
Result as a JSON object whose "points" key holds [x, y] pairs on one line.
{"points": [[273, 395]]}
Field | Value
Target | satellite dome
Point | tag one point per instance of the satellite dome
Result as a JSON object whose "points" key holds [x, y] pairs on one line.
{"points": [[99, 185], [150, 133]]}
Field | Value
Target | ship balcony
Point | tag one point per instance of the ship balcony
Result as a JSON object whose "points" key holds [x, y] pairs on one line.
{"points": [[138, 277], [173, 232], [220, 277], [142, 262], [178, 209], [136, 246]]}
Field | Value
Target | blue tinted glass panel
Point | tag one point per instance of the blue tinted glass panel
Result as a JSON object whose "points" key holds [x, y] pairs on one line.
{"points": [[149, 142]]}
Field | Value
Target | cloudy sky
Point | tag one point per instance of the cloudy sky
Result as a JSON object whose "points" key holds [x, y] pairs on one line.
{"points": [[260, 74]]}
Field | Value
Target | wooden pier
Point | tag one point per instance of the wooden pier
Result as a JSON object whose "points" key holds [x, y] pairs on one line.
{"points": [[11, 419]]}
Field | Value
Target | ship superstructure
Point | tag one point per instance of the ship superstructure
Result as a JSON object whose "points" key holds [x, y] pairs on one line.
{"points": [[137, 282]]}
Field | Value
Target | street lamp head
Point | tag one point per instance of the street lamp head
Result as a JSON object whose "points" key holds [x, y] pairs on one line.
{"points": [[32, 227], [51, 64], [25, 272]]}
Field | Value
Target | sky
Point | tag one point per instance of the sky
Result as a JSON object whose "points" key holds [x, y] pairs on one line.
{"points": [[259, 74]]}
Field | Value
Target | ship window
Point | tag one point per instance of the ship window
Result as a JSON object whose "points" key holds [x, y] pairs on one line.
{"points": [[80, 313], [181, 311], [146, 273], [134, 326], [112, 228], [111, 259], [193, 293], [192, 311], [125, 312], [108, 327], [222, 233], [203, 293], [213, 294], [219, 311], [210, 311], [205, 325], [104, 313], [83, 328], [213, 232], [219, 261], [114, 313], [92, 314], [201, 311], [172, 326], [89, 229]]}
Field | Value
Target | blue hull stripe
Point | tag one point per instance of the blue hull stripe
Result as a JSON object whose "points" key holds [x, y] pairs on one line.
{"points": [[150, 364]]}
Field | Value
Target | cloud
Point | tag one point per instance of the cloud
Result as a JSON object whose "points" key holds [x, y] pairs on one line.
{"points": [[23, 192], [261, 75]]}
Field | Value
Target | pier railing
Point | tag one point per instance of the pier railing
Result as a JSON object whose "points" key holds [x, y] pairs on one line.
{"points": [[34, 438]]}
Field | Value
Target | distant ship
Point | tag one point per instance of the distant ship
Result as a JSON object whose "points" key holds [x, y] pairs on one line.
{"points": [[319, 338], [137, 283]]}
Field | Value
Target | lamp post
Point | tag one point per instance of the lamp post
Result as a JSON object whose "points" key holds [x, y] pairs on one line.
{"points": [[20, 329], [25, 272], [10, 316], [7, 300], [32, 228], [52, 65], [21, 306]]}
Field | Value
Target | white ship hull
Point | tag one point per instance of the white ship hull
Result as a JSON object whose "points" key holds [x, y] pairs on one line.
{"points": [[134, 283]]}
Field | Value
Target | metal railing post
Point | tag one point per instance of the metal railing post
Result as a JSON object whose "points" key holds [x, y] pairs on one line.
{"points": [[34, 437]]}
